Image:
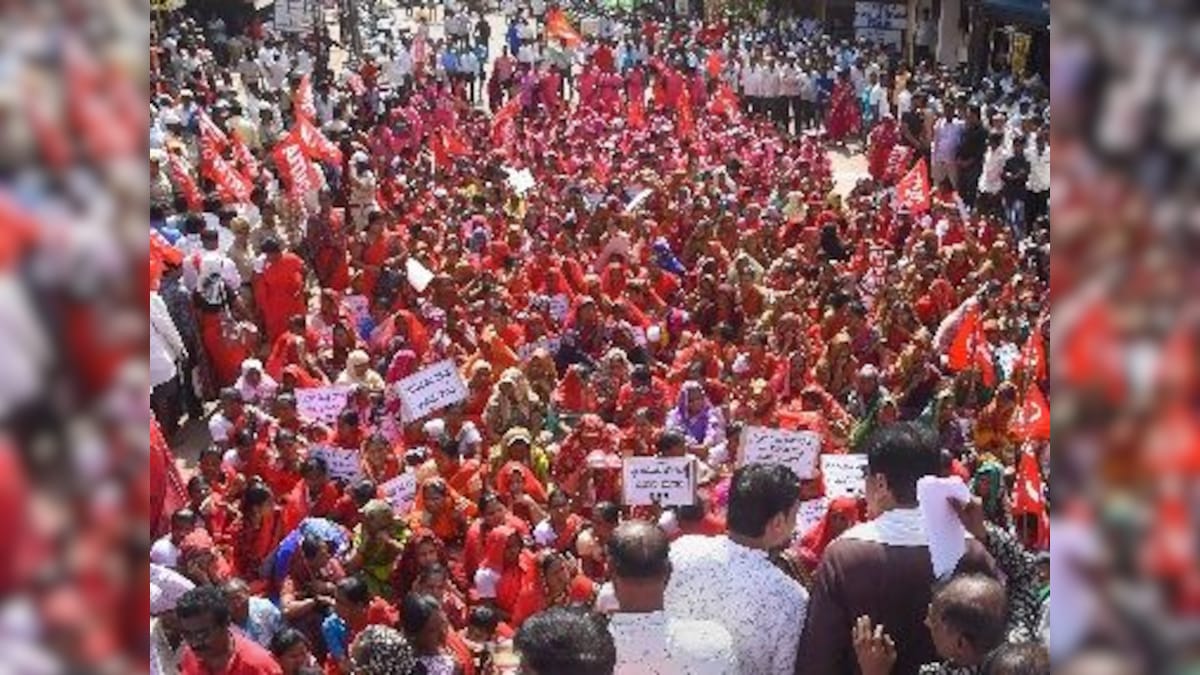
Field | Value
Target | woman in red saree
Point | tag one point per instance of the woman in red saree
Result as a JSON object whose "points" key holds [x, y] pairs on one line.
{"points": [[558, 531], [492, 514], [309, 589], [370, 254], [880, 142], [844, 118], [441, 510], [422, 549], [254, 535], [501, 577], [380, 462], [843, 513], [589, 436], [555, 582]]}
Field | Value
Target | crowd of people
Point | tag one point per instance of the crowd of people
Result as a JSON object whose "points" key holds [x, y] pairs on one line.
{"points": [[627, 241]]}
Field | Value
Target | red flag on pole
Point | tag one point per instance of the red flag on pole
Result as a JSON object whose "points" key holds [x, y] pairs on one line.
{"points": [[724, 102], [970, 347], [503, 120], [212, 139], [558, 26], [304, 106], [714, 64], [1029, 496], [912, 192], [244, 158], [1032, 420]]}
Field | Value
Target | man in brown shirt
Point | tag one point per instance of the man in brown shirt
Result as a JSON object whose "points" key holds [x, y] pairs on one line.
{"points": [[881, 568]]}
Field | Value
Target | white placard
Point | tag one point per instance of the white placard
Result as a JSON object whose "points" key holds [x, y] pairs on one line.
{"points": [[638, 199], [321, 403], [797, 450], [525, 351], [845, 475], [343, 463], [431, 389], [520, 181], [401, 492], [881, 15], [810, 513], [294, 16], [669, 481], [419, 276]]}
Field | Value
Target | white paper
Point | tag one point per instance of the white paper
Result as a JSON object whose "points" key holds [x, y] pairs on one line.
{"points": [[343, 463], [322, 404], [638, 200], [419, 275], [671, 481], [810, 513], [431, 389], [844, 475], [520, 181], [797, 450], [947, 536], [401, 492]]}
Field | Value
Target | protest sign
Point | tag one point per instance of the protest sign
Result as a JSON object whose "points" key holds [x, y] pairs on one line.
{"points": [[810, 513], [669, 481], [400, 492], [343, 463], [845, 475], [321, 403], [797, 450], [418, 275], [431, 389]]}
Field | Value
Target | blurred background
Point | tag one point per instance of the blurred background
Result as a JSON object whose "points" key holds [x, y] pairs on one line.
{"points": [[1125, 98], [1125, 83]]}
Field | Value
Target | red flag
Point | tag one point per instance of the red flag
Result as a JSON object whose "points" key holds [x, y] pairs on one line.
{"points": [[724, 102], [314, 143], [232, 186], [295, 169], [1032, 420], [304, 106], [454, 143], [1029, 496], [558, 26], [970, 348], [503, 120], [212, 139], [244, 158], [1033, 356], [912, 192], [184, 182]]}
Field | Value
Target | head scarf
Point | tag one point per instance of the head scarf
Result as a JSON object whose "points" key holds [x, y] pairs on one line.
{"points": [[382, 650], [819, 536], [695, 426]]}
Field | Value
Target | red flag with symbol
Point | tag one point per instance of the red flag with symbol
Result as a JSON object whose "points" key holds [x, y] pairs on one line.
{"points": [[1029, 497], [502, 122], [970, 348], [912, 192], [297, 172], [558, 26], [1032, 419], [303, 104], [212, 139]]}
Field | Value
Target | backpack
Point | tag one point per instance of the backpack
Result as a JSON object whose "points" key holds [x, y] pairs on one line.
{"points": [[211, 292]]}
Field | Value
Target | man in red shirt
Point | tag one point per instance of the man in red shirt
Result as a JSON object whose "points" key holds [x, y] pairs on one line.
{"points": [[212, 644]]}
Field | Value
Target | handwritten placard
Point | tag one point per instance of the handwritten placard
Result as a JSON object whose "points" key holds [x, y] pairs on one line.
{"points": [[431, 389], [810, 513], [797, 450], [669, 481], [845, 475], [560, 305], [321, 403], [525, 351], [401, 492], [343, 463]]}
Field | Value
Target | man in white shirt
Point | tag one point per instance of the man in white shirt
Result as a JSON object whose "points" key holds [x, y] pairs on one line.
{"points": [[991, 181], [1038, 154], [165, 550], [730, 579], [648, 640], [947, 133]]}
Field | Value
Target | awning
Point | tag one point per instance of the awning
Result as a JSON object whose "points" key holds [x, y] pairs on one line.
{"points": [[1027, 12]]}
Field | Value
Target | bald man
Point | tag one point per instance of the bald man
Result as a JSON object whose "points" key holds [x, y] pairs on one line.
{"points": [[966, 619], [647, 640]]}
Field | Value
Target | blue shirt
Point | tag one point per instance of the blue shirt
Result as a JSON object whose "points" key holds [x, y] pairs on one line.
{"points": [[336, 633], [263, 622]]}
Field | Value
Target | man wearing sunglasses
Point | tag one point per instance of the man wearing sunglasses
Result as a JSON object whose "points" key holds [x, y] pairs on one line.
{"points": [[213, 646]]}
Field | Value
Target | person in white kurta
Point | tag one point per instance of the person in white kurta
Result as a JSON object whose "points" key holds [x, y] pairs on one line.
{"points": [[648, 640]]}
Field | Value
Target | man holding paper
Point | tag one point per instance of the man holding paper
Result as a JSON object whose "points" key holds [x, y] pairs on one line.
{"points": [[882, 568]]}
